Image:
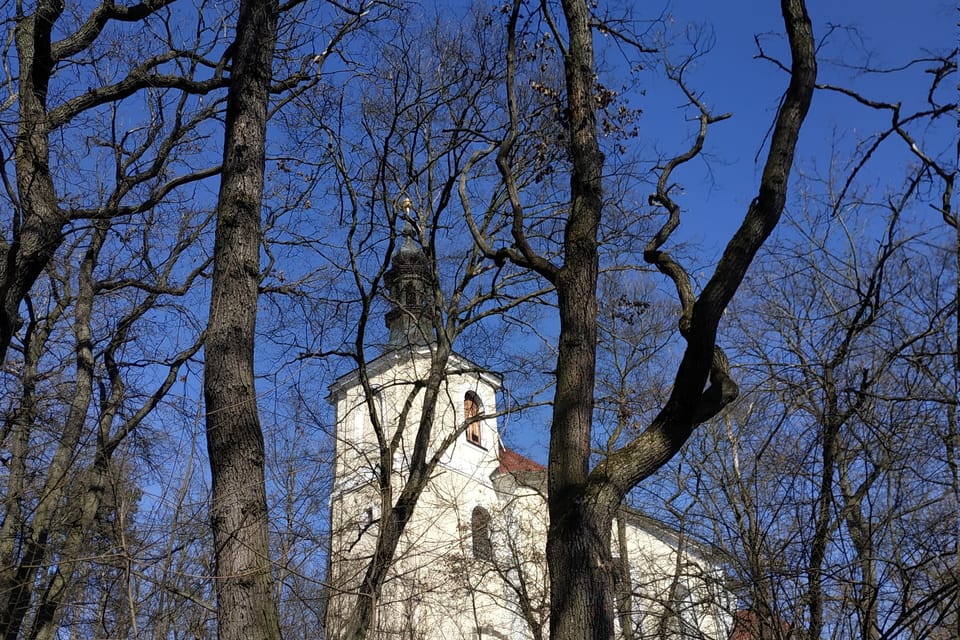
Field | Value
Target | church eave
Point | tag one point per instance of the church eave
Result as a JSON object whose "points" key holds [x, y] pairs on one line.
{"points": [[457, 364]]}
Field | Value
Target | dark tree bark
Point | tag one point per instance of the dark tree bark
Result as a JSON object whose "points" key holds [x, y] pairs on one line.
{"points": [[38, 223], [583, 503], [38, 217], [578, 542], [244, 583]]}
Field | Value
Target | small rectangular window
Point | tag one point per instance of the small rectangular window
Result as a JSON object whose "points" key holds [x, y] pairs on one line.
{"points": [[480, 526], [471, 409], [473, 432]]}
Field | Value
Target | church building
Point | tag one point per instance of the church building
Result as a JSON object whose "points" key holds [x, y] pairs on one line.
{"points": [[471, 561]]}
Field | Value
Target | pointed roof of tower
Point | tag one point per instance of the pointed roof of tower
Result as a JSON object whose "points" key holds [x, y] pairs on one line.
{"points": [[410, 285]]}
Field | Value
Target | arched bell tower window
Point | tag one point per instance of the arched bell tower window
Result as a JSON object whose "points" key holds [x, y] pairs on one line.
{"points": [[480, 528], [471, 409]]}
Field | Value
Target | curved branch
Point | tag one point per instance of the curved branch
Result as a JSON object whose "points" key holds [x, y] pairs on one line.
{"points": [[530, 258], [652, 253], [91, 29], [702, 360], [137, 80]]}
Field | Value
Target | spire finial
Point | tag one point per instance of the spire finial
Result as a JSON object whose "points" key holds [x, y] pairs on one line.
{"points": [[410, 230], [409, 283], [406, 205]]}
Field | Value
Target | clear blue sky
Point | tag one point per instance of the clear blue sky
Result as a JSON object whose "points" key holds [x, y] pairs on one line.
{"points": [[715, 196], [887, 34]]}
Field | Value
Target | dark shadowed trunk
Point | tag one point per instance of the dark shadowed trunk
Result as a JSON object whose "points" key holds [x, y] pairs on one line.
{"points": [[38, 221], [244, 584], [44, 43], [582, 504], [578, 544]]}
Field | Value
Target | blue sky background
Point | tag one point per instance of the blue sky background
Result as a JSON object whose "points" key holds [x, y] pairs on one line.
{"points": [[883, 34], [718, 187]]}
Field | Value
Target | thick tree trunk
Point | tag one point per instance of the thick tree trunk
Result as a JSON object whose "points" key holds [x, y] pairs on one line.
{"points": [[578, 551], [582, 503], [38, 221], [578, 542], [244, 584]]}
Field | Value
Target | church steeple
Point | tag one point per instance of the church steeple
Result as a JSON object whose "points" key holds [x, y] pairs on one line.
{"points": [[409, 283]]}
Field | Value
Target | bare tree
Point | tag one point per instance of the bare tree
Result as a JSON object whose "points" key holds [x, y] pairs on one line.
{"points": [[81, 401], [583, 501], [156, 81], [422, 113], [239, 510], [830, 461]]}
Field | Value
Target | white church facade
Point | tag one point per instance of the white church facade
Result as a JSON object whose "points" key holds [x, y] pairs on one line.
{"points": [[471, 561]]}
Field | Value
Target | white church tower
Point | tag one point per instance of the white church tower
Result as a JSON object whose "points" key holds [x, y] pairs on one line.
{"points": [[436, 588], [471, 561]]}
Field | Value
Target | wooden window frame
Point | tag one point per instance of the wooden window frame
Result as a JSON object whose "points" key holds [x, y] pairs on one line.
{"points": [[472, 408]]}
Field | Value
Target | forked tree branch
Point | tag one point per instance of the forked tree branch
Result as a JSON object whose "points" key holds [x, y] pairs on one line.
{"points": [[688, 404]]}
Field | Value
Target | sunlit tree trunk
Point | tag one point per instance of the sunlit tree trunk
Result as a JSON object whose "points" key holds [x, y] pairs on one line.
{"points": [[244, 583]]}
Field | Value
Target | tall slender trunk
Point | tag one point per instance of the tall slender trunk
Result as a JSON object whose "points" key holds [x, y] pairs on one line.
{"points": [[625, 587], [823, 519], [578, 542], [49, 511], [818, 549], [861, 532], [238, 511]]}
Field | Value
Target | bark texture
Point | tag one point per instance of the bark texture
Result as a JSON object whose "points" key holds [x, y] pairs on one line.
{"points": [[244, 584], [578, 542], [38, 222], [583, 503]]}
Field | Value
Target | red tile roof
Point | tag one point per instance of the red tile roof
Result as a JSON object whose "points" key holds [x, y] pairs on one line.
{"points": [[511, 461]]}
